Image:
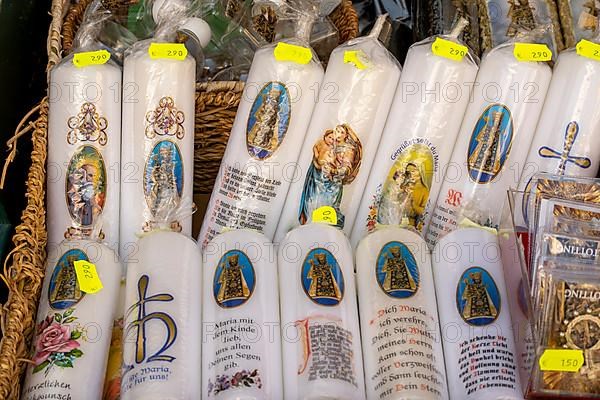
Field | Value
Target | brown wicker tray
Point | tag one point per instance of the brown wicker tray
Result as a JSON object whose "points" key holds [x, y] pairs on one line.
{"points": [[216, 105]]}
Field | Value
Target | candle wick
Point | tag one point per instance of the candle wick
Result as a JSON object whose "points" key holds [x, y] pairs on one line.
{"points": [[459, 26], [379, 24]]}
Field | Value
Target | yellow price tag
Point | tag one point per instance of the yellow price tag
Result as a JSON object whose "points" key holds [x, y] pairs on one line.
{"points": [[325, 214], [87, 276], [173, 51], [561, 360], [86, 58], [291, 52], [449, 49], [532, 52], [588, 49], [356, 57]]}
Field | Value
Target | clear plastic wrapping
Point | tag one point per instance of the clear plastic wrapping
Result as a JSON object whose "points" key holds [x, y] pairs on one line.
{"points": [[343, 134], [494, 140], [578, 19], [417, 140], [267, 135], [568, 327], [84, 140], [158, 141]]}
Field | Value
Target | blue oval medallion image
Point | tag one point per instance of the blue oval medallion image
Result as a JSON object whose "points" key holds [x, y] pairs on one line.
{"points": [[163, 178], [234, 280], [477, 297], [322, 278], [268, 120], [396, 271], [490, 144], [63, 291]]}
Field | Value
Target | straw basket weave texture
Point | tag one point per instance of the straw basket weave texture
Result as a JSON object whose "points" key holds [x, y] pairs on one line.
{"points": [[216, 105]]}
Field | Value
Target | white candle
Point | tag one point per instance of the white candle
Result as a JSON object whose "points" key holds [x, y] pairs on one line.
{"points": [[84, 149], [478, 341], [398, 317], [322, 356], [158, 145], [493, 142], [162, 334], [71, 341], [343, 134], [260, 160], [417, 141], [241, 344], [570, 122]]}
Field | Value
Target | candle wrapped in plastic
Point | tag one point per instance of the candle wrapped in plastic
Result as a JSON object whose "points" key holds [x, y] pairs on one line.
{"points": [[494, 138], [267, 135], [565, 140], [343, 134], [417, 141], [157, 156], [76, 312], [84, 139]]}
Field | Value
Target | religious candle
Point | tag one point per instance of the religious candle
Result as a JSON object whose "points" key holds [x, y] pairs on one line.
{"points": [[398, 316], [494, 141], [241, 344], [158, 142], [162, 329], [267, 135], [84, 149], [563, 143], [322, 356], [344, 133], [477, 336], [70, 347], [417, 141]]}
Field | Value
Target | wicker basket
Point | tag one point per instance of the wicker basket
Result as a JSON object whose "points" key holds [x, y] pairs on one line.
{"points": [[216, 105]]}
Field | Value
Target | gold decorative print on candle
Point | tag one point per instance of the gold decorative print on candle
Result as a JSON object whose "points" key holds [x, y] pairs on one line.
{"points": [[575, 325], [268, 121], [406, 189], [140, 328], [336, 160], [397, 271], [163, 181], [87, 126], [85, 190], [165, 120], [63, 290], [490, 144], [564, 154], [322, 278], [477, 297], [234, 279]]}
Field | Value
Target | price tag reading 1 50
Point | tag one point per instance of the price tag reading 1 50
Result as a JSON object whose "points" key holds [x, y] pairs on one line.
{"points": [[565, 360], [532, 52], [173, 51]]}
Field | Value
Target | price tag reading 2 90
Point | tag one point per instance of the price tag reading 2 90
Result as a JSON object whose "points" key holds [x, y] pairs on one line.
{"points": [[87, 276], [87, 58], [173, 51], [449, 49], [532, 52]]}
